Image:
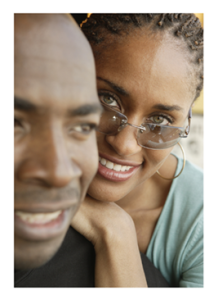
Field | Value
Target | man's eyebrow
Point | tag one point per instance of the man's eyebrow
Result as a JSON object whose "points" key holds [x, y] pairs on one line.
{"points": [[114, 86], [85, 110], [167, 107], [22, 104], [25, 105]]}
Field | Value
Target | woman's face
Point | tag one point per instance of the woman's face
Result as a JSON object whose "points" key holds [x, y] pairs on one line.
{"points": [[145, 76]]}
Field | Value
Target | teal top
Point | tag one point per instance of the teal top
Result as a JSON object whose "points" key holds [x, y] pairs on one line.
{"points": [[176, 246]]}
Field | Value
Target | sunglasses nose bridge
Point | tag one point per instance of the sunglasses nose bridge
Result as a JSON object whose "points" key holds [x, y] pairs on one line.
{"points": [[141, 128]]}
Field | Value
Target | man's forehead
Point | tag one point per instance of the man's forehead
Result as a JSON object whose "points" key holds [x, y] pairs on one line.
{"points": [[53, 66], [46, 70], [54, 39], [38, 26]]}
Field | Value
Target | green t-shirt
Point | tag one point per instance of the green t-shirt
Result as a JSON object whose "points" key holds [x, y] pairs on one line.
{"points": [[176, 246]]}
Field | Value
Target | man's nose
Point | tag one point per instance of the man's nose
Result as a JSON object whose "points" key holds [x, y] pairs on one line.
{"points": [[49, 162], [125, 142]]}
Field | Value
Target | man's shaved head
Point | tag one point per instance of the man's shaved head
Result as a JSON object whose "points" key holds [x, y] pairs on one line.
{"points": [[52, 42], [56, 108]]}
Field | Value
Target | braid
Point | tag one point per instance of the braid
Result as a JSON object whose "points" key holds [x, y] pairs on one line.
{"points": [[182, 26]]}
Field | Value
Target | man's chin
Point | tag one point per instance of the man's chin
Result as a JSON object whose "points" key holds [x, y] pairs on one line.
{"points": [[31, 255]]}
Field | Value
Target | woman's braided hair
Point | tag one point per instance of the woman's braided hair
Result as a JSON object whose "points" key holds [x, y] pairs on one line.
{"points": [[183, 26]]}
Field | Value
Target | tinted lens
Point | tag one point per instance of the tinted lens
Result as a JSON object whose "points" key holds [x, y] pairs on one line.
{"points": [[159, 137], [110, 121]]}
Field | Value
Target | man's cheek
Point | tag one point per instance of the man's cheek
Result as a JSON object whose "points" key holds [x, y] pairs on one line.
{"points": [[90, 169], [90, 165]]}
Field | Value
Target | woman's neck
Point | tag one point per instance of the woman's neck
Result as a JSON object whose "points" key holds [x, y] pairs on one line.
{"points": [[152, 193]]}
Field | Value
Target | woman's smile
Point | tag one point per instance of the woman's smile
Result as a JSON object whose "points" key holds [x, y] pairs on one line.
{"points": [[115, 169]]}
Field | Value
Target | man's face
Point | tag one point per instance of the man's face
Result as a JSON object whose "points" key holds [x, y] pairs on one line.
{"points": [[56, 111]]}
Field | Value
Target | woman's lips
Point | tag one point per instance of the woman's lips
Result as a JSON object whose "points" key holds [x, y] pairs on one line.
{"points": [[114, 171], [119, 161], [38, 227]]}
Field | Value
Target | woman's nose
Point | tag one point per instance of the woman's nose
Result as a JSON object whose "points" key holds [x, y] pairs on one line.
{"points": [[125, 142], [49, 162]]}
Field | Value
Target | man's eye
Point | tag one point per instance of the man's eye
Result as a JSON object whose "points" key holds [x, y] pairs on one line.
{"points": [[21, 128], [17, 123], [83, 128]]}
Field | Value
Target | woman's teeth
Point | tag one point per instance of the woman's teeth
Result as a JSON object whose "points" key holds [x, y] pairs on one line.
{"points": [[108, 164], [40, 218]]}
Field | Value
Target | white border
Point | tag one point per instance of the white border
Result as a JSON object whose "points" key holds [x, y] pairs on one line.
{"points": [[210, 158]]}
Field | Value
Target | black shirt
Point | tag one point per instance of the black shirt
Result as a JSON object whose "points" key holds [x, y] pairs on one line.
{"points": [[74, 266]]}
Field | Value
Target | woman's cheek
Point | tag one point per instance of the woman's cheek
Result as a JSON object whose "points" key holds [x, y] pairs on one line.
{"points": [[154, 159], [157, 157]]}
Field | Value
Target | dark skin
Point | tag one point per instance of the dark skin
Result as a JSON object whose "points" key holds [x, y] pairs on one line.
{"points": [[144, 76], [56, 111]]}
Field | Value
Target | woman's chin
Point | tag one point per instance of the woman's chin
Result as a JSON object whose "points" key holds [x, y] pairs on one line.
{"points": [[98, 197], [103, 194], [109, 191]]}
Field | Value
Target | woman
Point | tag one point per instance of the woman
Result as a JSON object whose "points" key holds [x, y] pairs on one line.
{"points": [[149, 73]]}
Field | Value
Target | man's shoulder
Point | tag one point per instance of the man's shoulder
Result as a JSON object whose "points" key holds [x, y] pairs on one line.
{"points": [[72, 266]]}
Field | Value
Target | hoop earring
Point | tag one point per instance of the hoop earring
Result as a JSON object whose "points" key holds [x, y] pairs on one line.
{"points": [[184, 161]]}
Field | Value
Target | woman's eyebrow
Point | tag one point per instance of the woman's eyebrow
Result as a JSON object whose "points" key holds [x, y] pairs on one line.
{"points": [[167, 107], [114, 86]]}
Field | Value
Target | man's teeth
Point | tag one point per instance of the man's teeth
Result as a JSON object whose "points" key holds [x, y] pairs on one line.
{"points": [[40, 218], [108, 164]]}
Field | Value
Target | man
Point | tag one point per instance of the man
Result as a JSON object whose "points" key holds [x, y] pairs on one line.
{"points": [[56, 111]]}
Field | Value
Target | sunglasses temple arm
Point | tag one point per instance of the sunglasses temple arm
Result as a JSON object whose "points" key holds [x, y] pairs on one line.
{"points": [[190, 113], [189, 122]]}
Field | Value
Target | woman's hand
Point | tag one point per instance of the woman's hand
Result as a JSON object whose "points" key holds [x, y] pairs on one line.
{"points": [[97, 220], [112, 232]]}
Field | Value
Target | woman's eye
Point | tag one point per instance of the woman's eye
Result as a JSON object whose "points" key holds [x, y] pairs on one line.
{"points": [[108, 100], [160, 120]]}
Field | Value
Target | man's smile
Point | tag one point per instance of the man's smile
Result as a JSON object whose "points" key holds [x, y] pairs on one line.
{"points": [[38, 218], [41, 226]]}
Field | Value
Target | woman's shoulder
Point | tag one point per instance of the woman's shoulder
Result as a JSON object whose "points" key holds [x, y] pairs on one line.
{"points": [[189, 185], [185, 198], [191, 171], [178, 236]]}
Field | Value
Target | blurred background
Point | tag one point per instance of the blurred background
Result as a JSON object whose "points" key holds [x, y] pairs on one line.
{"points": [[193, 145]]}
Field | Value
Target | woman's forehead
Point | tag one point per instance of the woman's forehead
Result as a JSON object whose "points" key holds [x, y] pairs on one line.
{"points": [[148, 66]]}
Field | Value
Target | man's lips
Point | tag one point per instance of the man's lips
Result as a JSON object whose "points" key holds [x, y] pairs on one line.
{"points": [[44, 213], [38, 219], [39, 227], [41, 220]]}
